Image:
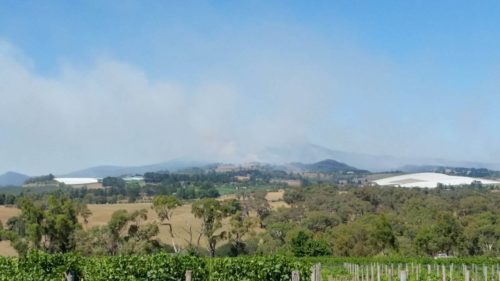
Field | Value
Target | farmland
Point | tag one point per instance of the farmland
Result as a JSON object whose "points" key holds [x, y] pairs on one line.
{"points": [[182, 219]]}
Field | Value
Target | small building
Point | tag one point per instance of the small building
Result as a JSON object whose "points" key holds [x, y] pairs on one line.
{"points": [[134, 178]]}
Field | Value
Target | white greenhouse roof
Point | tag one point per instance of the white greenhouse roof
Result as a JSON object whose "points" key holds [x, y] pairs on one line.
{"points": [[72, 181], [430, 180]]}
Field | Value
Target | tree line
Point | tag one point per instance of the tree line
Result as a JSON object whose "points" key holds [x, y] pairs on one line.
{"points": [[53, 224], [320, 220], [372, 221]]}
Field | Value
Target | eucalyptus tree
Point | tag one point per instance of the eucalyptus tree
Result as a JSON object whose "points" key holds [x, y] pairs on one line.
{"points": [[164, 206]]}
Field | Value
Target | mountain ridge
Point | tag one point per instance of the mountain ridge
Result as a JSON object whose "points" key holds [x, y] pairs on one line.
{"points": [[284, 155], [102, 171], [310, 153], [326, 166], [12, 179]]}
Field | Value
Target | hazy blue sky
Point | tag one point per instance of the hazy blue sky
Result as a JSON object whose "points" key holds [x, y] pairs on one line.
{"points": [[134, 82]]}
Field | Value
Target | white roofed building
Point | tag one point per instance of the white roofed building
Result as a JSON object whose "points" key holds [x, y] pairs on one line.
{"points": [[90, 183], [431, 180]]}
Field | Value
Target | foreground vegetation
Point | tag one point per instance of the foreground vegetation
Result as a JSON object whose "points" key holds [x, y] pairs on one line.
{"points": [[41, 266], [319, 220]]}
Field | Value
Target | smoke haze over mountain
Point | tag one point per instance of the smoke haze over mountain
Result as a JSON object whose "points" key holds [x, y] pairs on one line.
{"points": [[208, 85]]}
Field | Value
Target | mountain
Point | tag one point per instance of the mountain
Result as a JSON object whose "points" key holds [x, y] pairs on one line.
{"points": [[293, 153], [310, 153], [116, 171], [455, 171], [326, 166], [12, 179]]}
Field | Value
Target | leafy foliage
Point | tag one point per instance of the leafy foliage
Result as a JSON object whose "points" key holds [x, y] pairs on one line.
{"points": [[211, 212], [49, 226], [39, 266]]}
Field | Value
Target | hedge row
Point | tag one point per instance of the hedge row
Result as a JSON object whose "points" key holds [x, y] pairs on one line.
{"points": [[39, 266]]}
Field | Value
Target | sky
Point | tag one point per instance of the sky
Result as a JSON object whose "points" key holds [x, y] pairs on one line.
{"points": [[86, 83]]}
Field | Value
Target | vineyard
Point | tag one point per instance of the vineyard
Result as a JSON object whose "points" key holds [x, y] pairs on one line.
{"points": [[410, 269], [158, 267], [40, 266]]}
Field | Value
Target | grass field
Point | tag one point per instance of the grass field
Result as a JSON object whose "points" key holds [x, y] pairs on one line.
{"points": [[182, 219], [5, 214]]}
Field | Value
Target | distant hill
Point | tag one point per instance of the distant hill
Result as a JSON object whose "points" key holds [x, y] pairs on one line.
{"points": [[277, 156], [12, 179], [455, 171], [116, 171], [326, 166], [310, 153]]}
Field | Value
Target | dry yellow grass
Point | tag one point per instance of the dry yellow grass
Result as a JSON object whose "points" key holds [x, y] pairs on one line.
{"points": [[5, 213], [278, 204], [274, 196], [182, 219], [182, 222], [6, 249], [275, 199], [8, 212]]}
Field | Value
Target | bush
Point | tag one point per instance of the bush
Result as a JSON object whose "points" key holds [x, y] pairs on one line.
{"points": [[304, 245], [39, 266], [257, 268], [155, 267]]}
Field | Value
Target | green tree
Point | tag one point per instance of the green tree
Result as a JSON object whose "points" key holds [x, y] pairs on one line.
{"points": [[320, 221], [44, 225], [126, 233], [425, 242], [482, 232], [164, 206], [294, 196], [241, 225], [449, 234], [382, 237], [445, 235], [60, 223], [84, 212], [211, 212], [114, 182], [304, 245], [260, 205]]}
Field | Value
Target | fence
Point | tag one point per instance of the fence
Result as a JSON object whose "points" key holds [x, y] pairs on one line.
{"points": [[421, 272]]}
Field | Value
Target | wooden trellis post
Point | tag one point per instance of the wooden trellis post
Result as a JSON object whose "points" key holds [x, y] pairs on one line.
{"points": [[403, 276], [68, 276], [451, 272], [316, 272], [378, 272], [295, 276], [189, 274]]}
